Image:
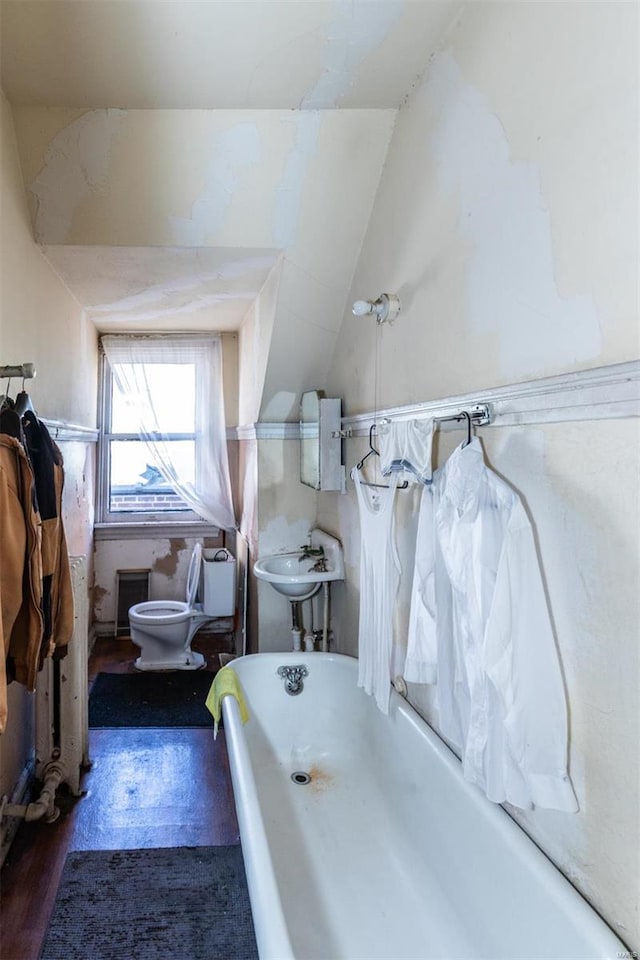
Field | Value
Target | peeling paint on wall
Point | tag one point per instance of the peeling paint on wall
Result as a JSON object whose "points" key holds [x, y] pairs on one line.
{"points": [[352, 34], [230, 151], [168, 564], [174, 290], [288, 198], [99, 593], [75, 165], [511, 287]]}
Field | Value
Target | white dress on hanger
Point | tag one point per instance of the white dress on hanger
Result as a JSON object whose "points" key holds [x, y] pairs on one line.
{"points": [[379, 579]]}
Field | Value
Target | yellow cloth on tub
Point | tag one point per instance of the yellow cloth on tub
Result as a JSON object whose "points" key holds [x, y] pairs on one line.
{"points": [[225, 683]]}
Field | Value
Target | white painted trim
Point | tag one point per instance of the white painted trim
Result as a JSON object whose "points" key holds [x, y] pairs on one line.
{"points": [[278, 431], [289, 430], [60, 430], [153, 531], [245, 432], [604, 393]]}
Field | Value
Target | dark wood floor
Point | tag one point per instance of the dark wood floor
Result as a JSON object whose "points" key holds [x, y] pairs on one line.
{"points": [[146, 788]]}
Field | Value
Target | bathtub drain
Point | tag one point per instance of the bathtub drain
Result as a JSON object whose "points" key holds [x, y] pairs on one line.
{"points": [[300, 777]]}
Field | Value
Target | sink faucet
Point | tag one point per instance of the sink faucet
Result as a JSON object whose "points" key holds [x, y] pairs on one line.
{"points": [[309, 551]]}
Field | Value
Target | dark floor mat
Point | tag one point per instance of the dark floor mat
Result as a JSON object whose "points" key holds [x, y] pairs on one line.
{"points": [[174, 699], [180, 903]]}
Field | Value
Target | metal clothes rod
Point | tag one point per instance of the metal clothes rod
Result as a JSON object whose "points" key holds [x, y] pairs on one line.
{"points": [[479, 414], [22, 371]]}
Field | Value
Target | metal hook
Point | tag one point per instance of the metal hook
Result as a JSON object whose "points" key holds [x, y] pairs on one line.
{"points": [[467, 416]]}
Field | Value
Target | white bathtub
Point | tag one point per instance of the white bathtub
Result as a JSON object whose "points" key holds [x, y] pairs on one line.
{"points": [[387, 852]]}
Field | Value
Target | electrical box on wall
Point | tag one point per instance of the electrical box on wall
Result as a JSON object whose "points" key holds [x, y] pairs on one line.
{"points": [[320, 442]]}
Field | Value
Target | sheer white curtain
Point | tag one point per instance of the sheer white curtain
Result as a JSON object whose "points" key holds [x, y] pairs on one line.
{"points": [[156, 402]]}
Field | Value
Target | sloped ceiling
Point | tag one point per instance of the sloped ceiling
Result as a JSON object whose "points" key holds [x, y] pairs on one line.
{"points": [[175, 152]]}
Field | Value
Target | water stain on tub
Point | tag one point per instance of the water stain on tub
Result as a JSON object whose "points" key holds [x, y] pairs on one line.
{"points": [[321, 779]]}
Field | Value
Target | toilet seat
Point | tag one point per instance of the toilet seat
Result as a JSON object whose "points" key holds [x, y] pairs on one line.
{"points": [[164, 611], [172, 611]]}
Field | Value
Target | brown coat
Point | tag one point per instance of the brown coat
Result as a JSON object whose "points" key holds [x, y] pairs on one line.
{"points": [[21, 621], [57, 600], [55, 564]]}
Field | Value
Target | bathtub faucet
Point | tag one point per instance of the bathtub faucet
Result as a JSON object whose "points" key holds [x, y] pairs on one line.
{"points": [[293, 678]]}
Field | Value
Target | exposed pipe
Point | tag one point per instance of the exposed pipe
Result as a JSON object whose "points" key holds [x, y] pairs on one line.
{"points": [[296, 632], [44, 808], [325, 617]]}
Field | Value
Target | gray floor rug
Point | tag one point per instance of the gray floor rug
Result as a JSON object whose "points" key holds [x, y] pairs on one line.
{"points": [[180, 903]]}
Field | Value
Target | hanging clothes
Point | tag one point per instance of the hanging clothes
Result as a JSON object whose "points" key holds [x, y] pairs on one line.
{"points": [[36, 599], [379, 579], [20, 565], [479, 626], [57, 596], [405, 449]]}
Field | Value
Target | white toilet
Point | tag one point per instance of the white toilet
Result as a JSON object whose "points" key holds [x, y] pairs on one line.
{"points": [[163, 629]]}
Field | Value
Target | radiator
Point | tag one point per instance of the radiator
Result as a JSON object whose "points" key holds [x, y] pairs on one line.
{"points": [[62, 721]]}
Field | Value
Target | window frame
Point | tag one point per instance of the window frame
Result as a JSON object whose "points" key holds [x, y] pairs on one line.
{"points": [[177, 522]]}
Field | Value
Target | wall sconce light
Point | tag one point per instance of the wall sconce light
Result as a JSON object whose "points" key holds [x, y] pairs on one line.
{"points": [[386, 307]]}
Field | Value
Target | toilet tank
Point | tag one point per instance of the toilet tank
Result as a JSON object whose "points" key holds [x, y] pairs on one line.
{"points": [[219, 580]]}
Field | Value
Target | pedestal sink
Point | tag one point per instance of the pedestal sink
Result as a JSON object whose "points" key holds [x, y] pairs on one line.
{"points": [[293, 576]]}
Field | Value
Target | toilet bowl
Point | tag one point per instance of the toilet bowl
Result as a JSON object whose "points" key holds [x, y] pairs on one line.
{"points": [[163, 629]]}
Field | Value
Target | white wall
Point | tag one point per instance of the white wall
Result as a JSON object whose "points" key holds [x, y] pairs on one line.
{"points": [[40, 322], [507, 220], [248, 183], [254, 343], [286, 511]]}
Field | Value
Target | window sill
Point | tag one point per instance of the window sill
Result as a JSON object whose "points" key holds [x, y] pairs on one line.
{"points": [[153, 531]]}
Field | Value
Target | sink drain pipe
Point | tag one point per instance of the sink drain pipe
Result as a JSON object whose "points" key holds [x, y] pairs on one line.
{"points": [[325, 617], [296, 632], [296, 628]]}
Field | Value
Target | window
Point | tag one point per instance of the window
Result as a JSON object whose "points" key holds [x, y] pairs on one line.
{"points": [[163, 453], [134, 489]]}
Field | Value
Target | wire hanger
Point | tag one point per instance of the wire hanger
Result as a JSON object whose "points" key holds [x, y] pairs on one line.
{"points": [[372, 450], [23, 401], [6, 403], [463, 415]]}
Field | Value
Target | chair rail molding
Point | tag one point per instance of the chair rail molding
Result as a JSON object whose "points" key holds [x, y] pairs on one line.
{"points": [[603, 393]]}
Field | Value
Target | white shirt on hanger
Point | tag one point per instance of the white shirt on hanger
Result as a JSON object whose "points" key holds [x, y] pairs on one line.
{"points": [[480, 627]]}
